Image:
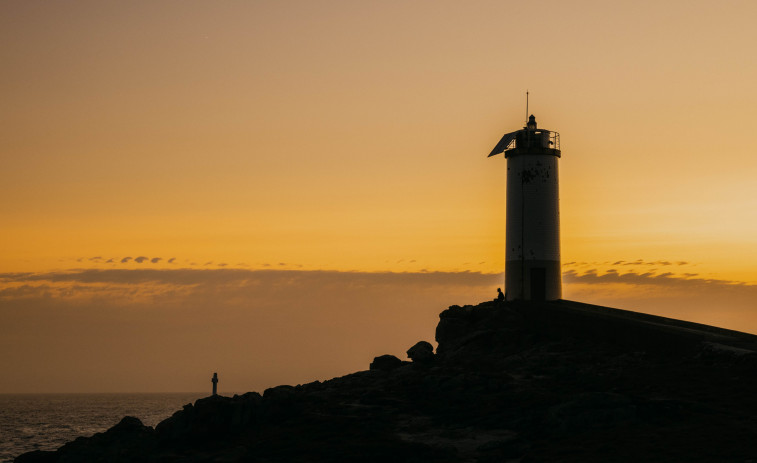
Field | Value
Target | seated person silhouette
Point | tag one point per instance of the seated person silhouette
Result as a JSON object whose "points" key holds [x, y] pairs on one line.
{"points": [[500, 296]]}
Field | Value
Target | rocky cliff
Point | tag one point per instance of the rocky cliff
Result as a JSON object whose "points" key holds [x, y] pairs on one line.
{"points": [[521, 382]]}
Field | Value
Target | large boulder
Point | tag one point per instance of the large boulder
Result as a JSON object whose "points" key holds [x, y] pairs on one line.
{"points": [[468, 332], [126, 441], [421, 352], [385, 363]]}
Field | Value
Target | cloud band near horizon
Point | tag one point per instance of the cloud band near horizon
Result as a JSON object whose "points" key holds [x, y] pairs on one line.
{"points": [[268, 327], [29, 284]]}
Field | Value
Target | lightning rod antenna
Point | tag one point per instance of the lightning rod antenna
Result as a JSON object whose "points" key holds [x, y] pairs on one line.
{"points": [[526, 106]]}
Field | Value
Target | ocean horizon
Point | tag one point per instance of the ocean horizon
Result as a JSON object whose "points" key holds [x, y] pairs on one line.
{"points": [[45, 421]]}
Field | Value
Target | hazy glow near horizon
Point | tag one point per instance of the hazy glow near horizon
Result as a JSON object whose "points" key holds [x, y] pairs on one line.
{"points": [[352, 136]]}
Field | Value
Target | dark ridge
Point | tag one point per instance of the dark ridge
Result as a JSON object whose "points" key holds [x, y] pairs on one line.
{"points": [[509, 382]]}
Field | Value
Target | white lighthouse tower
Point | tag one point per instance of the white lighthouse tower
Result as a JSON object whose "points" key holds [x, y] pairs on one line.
{"points": [[532, 256]]}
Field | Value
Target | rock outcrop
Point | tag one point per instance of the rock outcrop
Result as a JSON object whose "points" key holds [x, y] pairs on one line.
{"points": [[128, 440], [515, 382]]}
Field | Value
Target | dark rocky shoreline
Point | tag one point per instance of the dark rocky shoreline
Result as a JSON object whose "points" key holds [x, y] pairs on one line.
{"points": [[521, 382]]}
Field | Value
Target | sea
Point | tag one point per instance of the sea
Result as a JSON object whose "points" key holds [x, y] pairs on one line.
{"points": [[47, 421]]}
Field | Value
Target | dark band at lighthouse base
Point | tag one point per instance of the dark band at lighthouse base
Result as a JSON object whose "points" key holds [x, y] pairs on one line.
{"points": [[533, 280]]}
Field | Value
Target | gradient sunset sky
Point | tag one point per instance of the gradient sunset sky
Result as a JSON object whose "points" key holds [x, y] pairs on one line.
{"points": [[279, 191]]}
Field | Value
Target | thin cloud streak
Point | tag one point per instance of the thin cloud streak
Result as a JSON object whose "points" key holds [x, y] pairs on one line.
{"points": [[627, 263], [137, 282], [191, 277], [667, 279], [101, 279]]}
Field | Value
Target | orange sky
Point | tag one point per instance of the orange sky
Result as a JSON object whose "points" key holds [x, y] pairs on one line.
{"points": [[352, 136]]}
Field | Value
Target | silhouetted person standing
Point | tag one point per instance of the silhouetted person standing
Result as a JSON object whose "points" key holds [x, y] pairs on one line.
{"points": [[215, 383]]}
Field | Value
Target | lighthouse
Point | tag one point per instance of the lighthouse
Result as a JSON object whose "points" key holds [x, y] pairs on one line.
{"points": [[532, 237]]}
